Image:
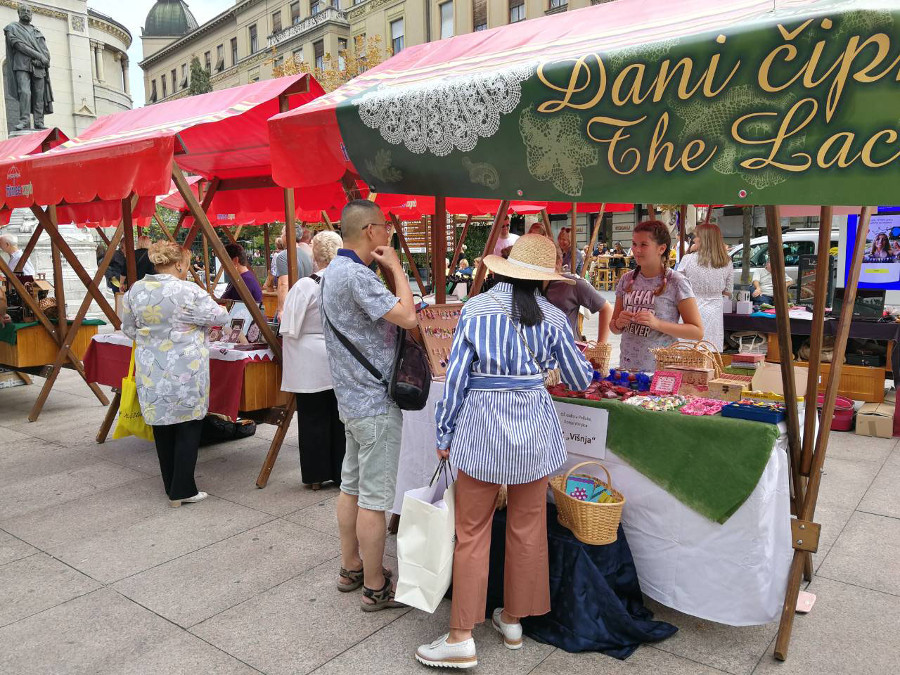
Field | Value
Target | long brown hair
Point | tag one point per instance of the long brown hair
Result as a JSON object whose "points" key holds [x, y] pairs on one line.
{"points": [[713, 252], [659, 233]]}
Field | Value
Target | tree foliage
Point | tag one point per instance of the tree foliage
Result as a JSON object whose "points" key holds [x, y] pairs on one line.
{"points": [[337, 70], [200, 83]]}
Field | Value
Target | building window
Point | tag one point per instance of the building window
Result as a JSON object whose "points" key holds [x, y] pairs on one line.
{"points": [[253, 75], [295, 13], [220, 58], [153, 95], [254, 40], [234, 55], [446, 19], [207, 61], [319, 54], [558, 3], [342, 53], [316, 6], [479, 15], [516, 11], [357, 2], [164, 87], [298, 56], [276, 21], [174, 80], [397, 36], [184, 76]]}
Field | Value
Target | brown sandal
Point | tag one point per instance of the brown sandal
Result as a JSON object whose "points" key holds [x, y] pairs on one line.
{"points": [[382, 598], [356, 579]]}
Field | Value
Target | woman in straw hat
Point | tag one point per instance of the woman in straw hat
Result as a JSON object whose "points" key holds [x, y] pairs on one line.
{"points": [[497, 424]]}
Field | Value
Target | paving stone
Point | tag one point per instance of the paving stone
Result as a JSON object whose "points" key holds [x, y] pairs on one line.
{"points": [[201, 584], [12, 548], [391, 651], [850, 630], [123, 531], [730, 648], [295, 627], [845, 482], [882, 496], [866, 554], [833, 518], [848, 446], [103, 632], [36, 583], [647, 659]]}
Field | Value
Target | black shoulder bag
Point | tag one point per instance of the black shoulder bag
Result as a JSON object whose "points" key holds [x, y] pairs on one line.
{"points": [[411, 378]]}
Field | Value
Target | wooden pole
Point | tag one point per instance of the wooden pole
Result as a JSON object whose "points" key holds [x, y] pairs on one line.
{"points": [[489, 247], [59, 291], [398, 228], [29, 247], [75, 263], [807, 513], [462, 238], [545, 221], [328, 224], [221, 271], [593, 242], [439, 254], [682, 229], [267, 247], [130, 264], [102, 235], [816, 338], [207, 281], [204, 206], [779, 286], [269, 463], [69, 338], [290, 236], [219, 249]]}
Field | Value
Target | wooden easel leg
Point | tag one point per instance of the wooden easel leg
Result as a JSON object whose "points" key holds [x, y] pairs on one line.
{"points": [[489, 248], [25, 377], [110, 418], [283, 426]]}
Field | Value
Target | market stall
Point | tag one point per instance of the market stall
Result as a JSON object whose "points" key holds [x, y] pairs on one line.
{"points": [[691, 102]]}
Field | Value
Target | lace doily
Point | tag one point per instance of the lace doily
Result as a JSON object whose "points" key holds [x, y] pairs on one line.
{"points": [[455, 115]]}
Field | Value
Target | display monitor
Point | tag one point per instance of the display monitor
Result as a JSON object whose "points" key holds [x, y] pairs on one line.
{"points": [[869, 304]]}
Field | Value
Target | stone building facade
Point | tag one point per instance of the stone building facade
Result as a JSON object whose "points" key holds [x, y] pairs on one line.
{"points": [[88, 62]]}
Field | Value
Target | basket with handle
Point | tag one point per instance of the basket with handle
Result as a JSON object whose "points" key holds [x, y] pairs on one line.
{"points": [[689, 354], [591, 522], [599, 353]]}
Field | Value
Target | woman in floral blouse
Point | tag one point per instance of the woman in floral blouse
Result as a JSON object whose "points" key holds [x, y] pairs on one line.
{"points": [[168, 318]]}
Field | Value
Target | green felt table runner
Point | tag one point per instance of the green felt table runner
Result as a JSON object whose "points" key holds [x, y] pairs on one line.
{"points": [[711, 464], [8, 332]]}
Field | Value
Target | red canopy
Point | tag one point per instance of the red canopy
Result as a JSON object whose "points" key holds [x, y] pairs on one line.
{"points": [[413, 207], [221, 134], [20, 146]]}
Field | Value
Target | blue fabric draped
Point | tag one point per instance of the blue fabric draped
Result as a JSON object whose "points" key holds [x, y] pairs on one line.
{"points": [[595, 598]]}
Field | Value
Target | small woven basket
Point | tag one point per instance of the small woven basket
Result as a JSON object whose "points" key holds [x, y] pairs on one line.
{"points": [[600, 352], [591, 522], [689, 354]]}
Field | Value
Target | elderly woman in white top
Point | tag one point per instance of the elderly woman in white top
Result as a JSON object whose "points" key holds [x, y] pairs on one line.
{"points": [[307, 374], [168, 317]]}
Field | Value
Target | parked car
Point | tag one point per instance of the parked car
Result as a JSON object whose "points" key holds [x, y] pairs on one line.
{"points": [[796, 243]]}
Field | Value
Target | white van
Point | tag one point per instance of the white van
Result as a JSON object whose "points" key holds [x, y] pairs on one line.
{"points": [[796, 243]]}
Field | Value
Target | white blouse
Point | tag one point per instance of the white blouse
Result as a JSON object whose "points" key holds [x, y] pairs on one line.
{"points": [[305, 369]]}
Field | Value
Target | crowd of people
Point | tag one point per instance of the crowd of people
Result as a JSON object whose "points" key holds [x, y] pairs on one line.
{"points": [[495, 421]]}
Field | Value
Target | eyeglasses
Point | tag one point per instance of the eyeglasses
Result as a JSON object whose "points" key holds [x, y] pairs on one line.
{"points": [[386, 226]]}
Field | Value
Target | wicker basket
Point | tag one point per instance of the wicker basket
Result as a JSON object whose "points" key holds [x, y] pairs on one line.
{"points": [[590, 522], [600, 352], [689, 354]]}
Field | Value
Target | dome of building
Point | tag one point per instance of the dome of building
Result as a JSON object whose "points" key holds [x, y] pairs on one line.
{"points": [[169, 18]]}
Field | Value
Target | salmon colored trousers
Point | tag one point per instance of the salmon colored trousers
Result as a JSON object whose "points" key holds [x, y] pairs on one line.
{"points": [[526, 580]]}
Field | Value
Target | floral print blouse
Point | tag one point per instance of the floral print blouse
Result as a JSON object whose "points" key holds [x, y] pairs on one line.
{"points": [[168, 319]]}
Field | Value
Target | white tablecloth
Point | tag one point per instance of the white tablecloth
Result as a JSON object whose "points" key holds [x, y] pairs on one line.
{"points": [[734, 573]]}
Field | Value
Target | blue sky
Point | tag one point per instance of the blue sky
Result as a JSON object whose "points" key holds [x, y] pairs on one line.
{"points": [[131, 13]]}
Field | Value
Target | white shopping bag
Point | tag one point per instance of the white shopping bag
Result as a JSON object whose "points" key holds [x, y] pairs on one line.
{"points": [[425, 542]]}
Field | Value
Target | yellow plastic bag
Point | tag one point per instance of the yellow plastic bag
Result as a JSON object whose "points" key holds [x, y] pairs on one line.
{"points": [[131, 421]]}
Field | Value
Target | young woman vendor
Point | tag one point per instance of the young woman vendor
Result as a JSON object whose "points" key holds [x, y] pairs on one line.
{"points": [[650, 300]]}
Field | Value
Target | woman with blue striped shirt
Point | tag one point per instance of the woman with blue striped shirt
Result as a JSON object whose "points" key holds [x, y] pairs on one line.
{"points": [[497, 424]]}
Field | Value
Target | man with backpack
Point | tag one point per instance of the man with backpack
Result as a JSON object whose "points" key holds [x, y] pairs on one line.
{"points": [[358, 306]]}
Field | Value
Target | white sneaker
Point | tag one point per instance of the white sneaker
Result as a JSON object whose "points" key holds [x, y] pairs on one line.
{"points": [[439, 654], [199, 497], [511, 632]]}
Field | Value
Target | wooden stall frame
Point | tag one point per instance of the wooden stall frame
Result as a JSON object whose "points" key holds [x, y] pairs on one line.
{"points": [[492, 239], [597, 225], [398, 229]]}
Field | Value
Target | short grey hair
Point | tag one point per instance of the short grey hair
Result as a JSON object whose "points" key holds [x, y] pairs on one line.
{"points": [[356, 215], [325, 246]]}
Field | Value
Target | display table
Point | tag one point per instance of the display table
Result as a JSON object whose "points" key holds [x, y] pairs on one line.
{"points": [[860, 383], [734, 572], [27, 345], [270, 304], [240, 381]]}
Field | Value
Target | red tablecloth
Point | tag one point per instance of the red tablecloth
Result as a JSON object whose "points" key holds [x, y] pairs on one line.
{"points": [[107, 364]]}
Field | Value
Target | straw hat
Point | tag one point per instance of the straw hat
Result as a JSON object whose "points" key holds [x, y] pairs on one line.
{"points": [[533, 257]]}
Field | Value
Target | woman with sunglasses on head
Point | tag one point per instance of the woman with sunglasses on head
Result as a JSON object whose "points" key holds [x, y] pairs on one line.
{"points": [[573, 259], [651, 299]]}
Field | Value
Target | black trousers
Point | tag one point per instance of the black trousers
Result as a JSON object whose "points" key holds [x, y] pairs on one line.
{"points": [[321, 436], [176, 447]]}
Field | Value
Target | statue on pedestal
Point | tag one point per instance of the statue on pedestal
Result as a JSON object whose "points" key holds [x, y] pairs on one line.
{"points": [[26, 72]]}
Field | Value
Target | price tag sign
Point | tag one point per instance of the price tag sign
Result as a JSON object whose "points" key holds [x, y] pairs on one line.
{"points": [[584, 429]]}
